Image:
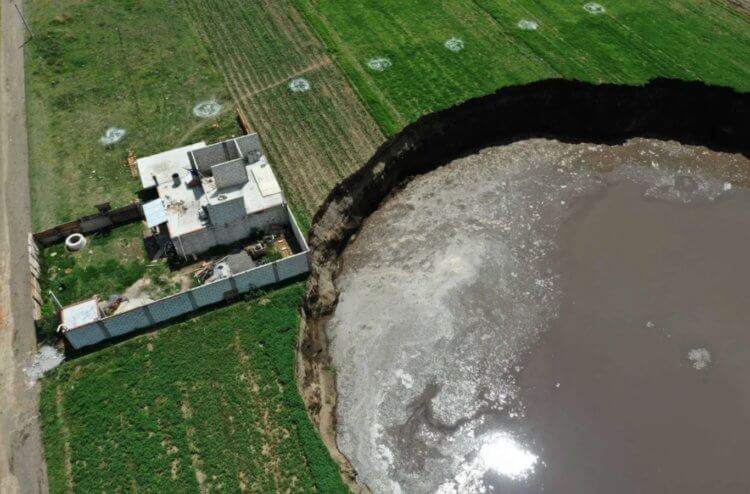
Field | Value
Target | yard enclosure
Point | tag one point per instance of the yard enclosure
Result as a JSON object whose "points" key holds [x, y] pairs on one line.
{"points": [[196, 298]]}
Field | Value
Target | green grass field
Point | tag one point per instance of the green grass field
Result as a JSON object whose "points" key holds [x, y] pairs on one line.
{"points": [[206, 405], [631, 42], [93, 65]]}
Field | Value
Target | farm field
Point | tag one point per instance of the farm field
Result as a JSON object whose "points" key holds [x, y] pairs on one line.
{"points": [[132, 70], [198, 405], [110, 63], [630, 42], [78, 86], [206, 405], [315, 136]]}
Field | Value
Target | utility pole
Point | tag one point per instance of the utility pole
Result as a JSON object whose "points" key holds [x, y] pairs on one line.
{"points": [[26, 24]]}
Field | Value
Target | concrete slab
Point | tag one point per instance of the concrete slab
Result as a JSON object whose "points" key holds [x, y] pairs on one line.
{"points": [[158, 168]]}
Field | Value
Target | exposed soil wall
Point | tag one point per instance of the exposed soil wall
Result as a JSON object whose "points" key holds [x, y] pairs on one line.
{"points": [[688, 112]]}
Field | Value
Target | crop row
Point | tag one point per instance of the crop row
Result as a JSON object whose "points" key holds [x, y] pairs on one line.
{"points": [[314, 137], [205, 405], [502, 43]]}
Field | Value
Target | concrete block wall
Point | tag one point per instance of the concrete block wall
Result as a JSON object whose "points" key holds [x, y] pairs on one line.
{"points": [[255, 278], [292, 266], [186, 302], [298, 235], [226, 211], [212, 293], [194, 242], [126, 322], [200, 241], [170, 307]]}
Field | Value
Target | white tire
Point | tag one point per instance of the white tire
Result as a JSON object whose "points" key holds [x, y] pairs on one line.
{"points": [[75, 242]]}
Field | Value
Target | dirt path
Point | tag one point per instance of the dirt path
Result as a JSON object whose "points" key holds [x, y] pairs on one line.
{"points": [[22, 467]]}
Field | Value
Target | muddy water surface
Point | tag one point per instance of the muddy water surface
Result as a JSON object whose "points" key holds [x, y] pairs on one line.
{"points": [[552, 317]]}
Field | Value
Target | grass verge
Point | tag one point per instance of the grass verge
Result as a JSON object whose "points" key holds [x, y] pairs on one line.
{"points": [[208, 404]]}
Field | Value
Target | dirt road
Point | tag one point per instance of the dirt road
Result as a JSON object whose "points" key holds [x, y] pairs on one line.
{"points": [[22, 467]]}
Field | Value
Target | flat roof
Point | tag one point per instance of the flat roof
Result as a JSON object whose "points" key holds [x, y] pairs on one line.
{"points": [[183, 204], [266, 180], [154, 213], [80, 314], [258, 195], [159, 168]]}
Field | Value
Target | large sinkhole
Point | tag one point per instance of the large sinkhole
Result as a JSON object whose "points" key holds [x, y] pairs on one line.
{"points": [[546, 316]]}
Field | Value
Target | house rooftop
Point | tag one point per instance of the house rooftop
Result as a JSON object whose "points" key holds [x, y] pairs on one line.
{"points": [[80, 314], [158, 168], [249, 176]]}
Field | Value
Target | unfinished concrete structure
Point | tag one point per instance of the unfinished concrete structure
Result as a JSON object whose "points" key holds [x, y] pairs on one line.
{"points": [[212, 195]]}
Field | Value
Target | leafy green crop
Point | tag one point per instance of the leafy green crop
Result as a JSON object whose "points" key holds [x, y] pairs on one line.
{"points": [[212, 400]]}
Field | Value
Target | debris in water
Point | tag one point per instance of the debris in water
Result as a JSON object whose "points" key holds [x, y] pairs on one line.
{"points": [[700, 357], [406, 379]]}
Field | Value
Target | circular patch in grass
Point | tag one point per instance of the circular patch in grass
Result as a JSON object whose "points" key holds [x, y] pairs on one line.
{"points": [[594, 8], [207, 109], [528, 25], [300, 85], [379, 64], [454, 44], [112, 135]]}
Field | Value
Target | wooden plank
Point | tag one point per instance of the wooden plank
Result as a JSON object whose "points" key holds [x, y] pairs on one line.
{"points": [[243, 121]]}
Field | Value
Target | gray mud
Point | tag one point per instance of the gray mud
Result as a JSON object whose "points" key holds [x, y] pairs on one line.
{"points": [[548, 316]]}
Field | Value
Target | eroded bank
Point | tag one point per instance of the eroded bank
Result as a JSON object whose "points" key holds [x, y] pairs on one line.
{"points": [[569, 111]]}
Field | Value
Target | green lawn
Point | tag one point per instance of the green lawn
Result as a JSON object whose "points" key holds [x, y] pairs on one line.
{"points": [[94, 65], [206, 405], [631, 42], [108, 265]]}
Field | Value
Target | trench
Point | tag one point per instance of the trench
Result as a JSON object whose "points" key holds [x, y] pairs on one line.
{"points": [[571, 112]]}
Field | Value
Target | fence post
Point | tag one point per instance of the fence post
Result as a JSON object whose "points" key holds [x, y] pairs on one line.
{"points": [[103, 328], [275, 271], [191, 297], [233, 283], [149, 316]]}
